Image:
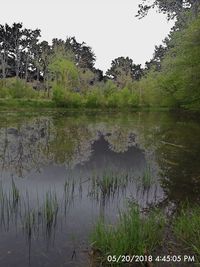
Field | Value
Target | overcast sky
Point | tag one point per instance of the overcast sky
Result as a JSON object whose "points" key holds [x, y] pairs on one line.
{"points": [[108, 26]]}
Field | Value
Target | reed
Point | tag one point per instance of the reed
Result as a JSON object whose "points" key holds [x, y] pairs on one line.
{"points": [[15, 193], [108, 185], [15, 207], [50, 209], [147, 178]]}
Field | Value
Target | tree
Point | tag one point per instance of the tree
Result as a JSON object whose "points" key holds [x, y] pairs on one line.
{"points": [[158, 55], [45, 59], [64, 72], [3, 51], [177, 83], [124, 71], [16, 45], [86, 78], [173, 8], [29, 43], [84, 56]]}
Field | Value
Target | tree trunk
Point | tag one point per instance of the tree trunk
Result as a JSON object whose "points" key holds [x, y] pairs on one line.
{"points": [[26, 69], [38, 74], [195, 8], [17, 66], [3, 65]]}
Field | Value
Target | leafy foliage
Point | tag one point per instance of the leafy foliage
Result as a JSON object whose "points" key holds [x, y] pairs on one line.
{"points": [[124, 71], [64, 72], [16, 88], [172, 8], [178, 82]]}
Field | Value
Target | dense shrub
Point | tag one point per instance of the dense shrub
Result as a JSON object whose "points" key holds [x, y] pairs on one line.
{"points": [[4, 92], [108, 88], [65, 98], [112, 100], [16, 88], [94, 99]]}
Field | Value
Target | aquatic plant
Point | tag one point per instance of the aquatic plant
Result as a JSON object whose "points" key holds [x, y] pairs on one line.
{"points": [[147, 178], [14, 206], [4, 209], [15, 193], [108, 184], [29, 222], [50, 209]]}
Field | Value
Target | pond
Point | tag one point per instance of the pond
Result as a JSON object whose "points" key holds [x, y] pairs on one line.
{"points": [[62, 171]]}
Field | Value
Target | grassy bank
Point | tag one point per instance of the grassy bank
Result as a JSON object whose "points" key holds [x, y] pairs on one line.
{"points": [[49, 103], [26, 103]]}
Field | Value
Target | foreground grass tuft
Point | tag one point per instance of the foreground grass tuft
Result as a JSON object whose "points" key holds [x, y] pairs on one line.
{"points": [[134, 234], [187, 229]]}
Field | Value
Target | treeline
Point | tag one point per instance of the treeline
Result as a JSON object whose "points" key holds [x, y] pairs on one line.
{"points": [[65, 72], [23, 56]]}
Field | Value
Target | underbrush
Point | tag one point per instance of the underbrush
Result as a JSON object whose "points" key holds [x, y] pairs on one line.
{"points": [[95, 98], [16, 88]]}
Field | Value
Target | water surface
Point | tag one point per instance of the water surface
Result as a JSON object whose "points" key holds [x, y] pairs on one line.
{"points": [[62, 171]]}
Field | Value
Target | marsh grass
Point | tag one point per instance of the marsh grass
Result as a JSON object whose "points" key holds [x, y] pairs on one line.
{"points": [[29, 223], [5, 212], [50, 209], [147, 178], [186, 227], [108, 185], [134, 234], [34, 219], [15, 194]]}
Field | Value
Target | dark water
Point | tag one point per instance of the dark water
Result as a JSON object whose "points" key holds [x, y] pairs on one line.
{"points": [[61, 171]]}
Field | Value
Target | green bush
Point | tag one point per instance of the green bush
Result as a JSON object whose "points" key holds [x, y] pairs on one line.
{"points": [[128, 98], [113, 100], [58, 95], [94, 99], [75, 100], [64, 98], [16, 88], [20, 89], [109, 87], [133, 100], [4, 92]]}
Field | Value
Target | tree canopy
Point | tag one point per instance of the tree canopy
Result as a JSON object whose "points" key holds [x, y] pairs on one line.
{"points": [[123, 71], [172, 8]]}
